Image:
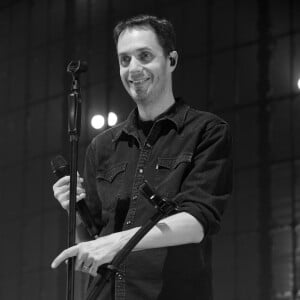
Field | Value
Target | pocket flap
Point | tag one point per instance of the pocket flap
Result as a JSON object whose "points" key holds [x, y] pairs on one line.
{"points": [[172, 163], [163, 162], [183, 158], [112, 172]]}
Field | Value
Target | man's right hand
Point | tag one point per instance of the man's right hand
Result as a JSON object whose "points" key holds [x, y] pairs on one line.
{"points": [[61, 191]]}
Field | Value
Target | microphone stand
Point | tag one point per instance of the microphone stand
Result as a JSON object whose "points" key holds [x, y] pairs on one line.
{"points": [[164, 208], [74, 124]]}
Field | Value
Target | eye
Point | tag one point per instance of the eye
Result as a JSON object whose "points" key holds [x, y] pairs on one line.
{"points": [[124, 60], [146, 57]]}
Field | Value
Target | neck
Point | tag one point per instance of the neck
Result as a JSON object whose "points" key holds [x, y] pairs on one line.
{"points": [[149, 110]]}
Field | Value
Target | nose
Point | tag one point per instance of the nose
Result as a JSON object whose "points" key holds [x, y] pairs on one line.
{"points": [[135, 66]]}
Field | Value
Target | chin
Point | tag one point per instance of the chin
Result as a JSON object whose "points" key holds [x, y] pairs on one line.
{"points": [[139, 97]]}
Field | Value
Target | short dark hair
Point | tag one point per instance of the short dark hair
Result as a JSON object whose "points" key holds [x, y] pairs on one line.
{"points": [[163, 29]]}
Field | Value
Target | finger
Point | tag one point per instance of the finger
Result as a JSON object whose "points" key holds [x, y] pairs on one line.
{"points": [[80, 262], [72, 251], [65, 181], [65, 203], [81, 196], [58, 191], [63, 199], [86, 266], [82, 256], [62, 181], [80, 179], [80, 190], [93, 270], [63, 194], [66, 186]]}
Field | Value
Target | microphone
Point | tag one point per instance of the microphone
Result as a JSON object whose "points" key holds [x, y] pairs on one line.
{"points": [[61, 168], [77, 66]]}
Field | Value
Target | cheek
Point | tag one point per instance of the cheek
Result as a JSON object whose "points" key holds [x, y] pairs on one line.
{"points": [[123, 77], [158, 70]]}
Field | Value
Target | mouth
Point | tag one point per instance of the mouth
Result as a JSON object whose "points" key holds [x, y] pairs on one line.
{"points": [[140, 81]]}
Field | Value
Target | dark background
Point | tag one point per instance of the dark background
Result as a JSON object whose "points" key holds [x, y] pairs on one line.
{"points": [[238, 59]]}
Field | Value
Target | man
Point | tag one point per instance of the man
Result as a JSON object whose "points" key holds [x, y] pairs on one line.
{"points": [[182, 152]]}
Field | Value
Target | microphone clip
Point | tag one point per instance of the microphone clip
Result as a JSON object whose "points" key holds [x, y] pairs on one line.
{"points": [[163, 205]]}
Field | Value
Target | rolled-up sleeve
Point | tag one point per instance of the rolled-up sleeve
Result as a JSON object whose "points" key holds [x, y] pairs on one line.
{"points": [[208, 186]]}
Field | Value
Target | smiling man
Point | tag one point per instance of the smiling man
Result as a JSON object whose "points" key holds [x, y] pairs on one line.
{"points": [[145, 70], [183, 152]]}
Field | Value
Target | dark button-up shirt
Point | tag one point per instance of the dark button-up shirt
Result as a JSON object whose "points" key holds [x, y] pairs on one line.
{"points": [[186, 157]]}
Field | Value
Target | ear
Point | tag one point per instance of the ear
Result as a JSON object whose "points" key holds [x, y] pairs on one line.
{"points": [[173, 59]]}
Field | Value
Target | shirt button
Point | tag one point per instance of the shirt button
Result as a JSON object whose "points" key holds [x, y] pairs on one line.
{"points": [[119, 276], [148, 145], [141, 171]]}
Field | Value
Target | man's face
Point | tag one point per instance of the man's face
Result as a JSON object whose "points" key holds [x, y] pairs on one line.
{"points": [[143, 66]]}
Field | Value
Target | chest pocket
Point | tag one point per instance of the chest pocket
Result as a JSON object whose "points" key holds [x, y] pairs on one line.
{"points": [[171, 172], [110, 174], [173, 163], [110, 183]]}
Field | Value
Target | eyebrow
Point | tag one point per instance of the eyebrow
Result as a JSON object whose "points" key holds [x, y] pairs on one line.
{"points": [[138, 50]]}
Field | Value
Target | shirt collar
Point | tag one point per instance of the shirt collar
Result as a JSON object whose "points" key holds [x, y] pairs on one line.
{"points": [[175, 114]]}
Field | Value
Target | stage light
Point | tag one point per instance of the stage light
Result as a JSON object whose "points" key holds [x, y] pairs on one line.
{"points": [[97, 121], [112, 119], [298, 83]]}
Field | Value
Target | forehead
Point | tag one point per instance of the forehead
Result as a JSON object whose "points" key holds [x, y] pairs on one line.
{"points": [[133, 39]]}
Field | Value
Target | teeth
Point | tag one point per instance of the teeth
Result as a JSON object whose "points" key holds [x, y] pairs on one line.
{"points": [[138, 81]]}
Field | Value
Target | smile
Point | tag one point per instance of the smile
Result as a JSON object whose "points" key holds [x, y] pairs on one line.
{"points": [[138, 81]]}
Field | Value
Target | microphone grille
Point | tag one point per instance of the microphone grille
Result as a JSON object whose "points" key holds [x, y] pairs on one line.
{"points": [[60, 166]]}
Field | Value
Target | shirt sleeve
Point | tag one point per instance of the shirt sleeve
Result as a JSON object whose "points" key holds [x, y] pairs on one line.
{"points": [[208, 186], [92, 200]]}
